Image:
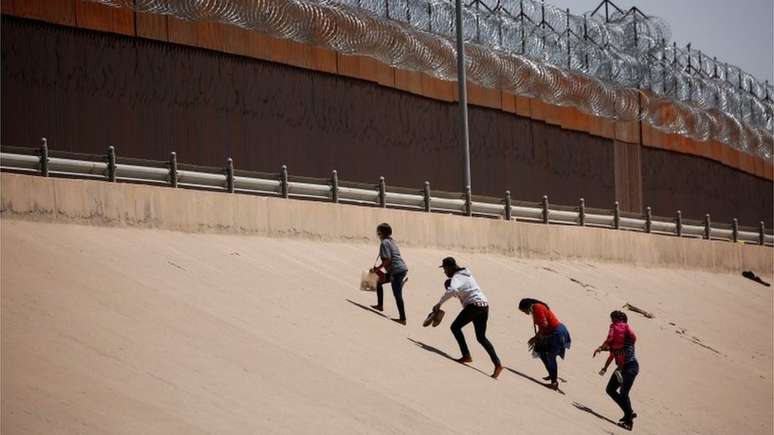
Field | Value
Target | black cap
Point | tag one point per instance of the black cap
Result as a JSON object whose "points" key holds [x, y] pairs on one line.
{"points": [[449, 262]]}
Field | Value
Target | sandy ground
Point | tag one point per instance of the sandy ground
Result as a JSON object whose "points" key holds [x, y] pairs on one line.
{"points": [[110, 330]]}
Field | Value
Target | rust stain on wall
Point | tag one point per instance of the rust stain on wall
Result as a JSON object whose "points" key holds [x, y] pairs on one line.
{"points": [[85, 90]]}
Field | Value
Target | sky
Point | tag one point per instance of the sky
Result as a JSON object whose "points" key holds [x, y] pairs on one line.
{"points": [[740, 33]]}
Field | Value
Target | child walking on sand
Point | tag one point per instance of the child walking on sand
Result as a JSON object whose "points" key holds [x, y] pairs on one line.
{"points": [[620, 341], [616, 339]]}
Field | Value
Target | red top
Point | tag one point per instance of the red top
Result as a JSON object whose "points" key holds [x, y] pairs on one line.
{"points": [[544, 318], [617, 337]]}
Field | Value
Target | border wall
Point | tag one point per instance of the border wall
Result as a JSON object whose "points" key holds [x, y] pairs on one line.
{"points": [[210, 91]]}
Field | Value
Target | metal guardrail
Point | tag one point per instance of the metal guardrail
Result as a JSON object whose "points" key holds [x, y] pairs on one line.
{"points": [[40, 162]]}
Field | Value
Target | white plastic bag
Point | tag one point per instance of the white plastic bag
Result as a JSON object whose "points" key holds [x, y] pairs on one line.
{"points": [[368, 281]]}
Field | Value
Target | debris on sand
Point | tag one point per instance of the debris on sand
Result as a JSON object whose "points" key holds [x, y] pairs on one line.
{"points": [[581, 283], [750, 275], [631, 307], [176, 265], [695, 340]]}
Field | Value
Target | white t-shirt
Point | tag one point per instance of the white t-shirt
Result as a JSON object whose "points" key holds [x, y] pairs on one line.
{"points": [[464, 287]]}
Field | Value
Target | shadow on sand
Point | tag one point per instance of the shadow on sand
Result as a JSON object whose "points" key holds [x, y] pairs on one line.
{"points": [[530, 378], [435, 350], [585, 408], [367, 308]]}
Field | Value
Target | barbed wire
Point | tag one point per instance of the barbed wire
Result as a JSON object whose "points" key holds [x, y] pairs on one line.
{"points": [[611, 62]]}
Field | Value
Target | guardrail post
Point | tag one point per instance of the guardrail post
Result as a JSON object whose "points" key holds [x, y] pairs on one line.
{"points": [[427, 197], [616, 215], [582, 212], [468, 202], [679, 224], [44, 157], [648, 219], [735, 230], [545, 209], [762, 234], [382, 193], [173, 169], [508, 211], [111, 164], [707, 227], [284, 182], [230, 175], [334, 186]]}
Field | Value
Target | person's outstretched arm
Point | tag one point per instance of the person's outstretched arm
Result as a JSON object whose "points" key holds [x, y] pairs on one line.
{"points": [[603, 347], [452, 290]]}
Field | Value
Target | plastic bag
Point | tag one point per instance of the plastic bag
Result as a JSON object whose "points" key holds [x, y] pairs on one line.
{"points": [[368, 281]]}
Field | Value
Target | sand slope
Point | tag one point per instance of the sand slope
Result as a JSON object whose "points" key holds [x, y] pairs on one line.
{"points": [[109, 330]]}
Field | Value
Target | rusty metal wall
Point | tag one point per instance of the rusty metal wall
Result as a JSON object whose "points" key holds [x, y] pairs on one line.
{"points": [[85, 90], [672, 181]]}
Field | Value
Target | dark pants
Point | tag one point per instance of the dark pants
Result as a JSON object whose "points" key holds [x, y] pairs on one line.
{"points": [[553, 345], [479, 316], [549, 360], [396, 282], [621, 397]]}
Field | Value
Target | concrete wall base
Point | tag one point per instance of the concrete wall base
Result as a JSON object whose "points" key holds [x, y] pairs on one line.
{"points": [[120, 204]]}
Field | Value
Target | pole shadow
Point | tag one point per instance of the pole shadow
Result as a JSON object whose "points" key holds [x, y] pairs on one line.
{"points": [[530, 378], [585, 408], [435, 350], [367, 308]]}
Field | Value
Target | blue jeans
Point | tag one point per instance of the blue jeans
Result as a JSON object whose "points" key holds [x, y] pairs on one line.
{"points": [[396, 281], [558, 342]]}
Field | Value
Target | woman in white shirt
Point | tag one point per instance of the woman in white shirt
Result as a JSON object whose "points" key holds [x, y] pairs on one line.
{"points": [[475, 309]]}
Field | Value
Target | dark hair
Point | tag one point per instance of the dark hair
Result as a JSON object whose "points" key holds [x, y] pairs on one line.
{"points": [[447, 283], [385, 229], [619, 315], [528, 302]]}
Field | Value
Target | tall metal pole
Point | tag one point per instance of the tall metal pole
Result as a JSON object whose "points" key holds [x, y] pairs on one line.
{"points": [[462, 82]]}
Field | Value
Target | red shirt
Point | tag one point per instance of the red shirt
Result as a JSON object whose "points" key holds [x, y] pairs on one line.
{"points": [[618, 337], [544, 318]]}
